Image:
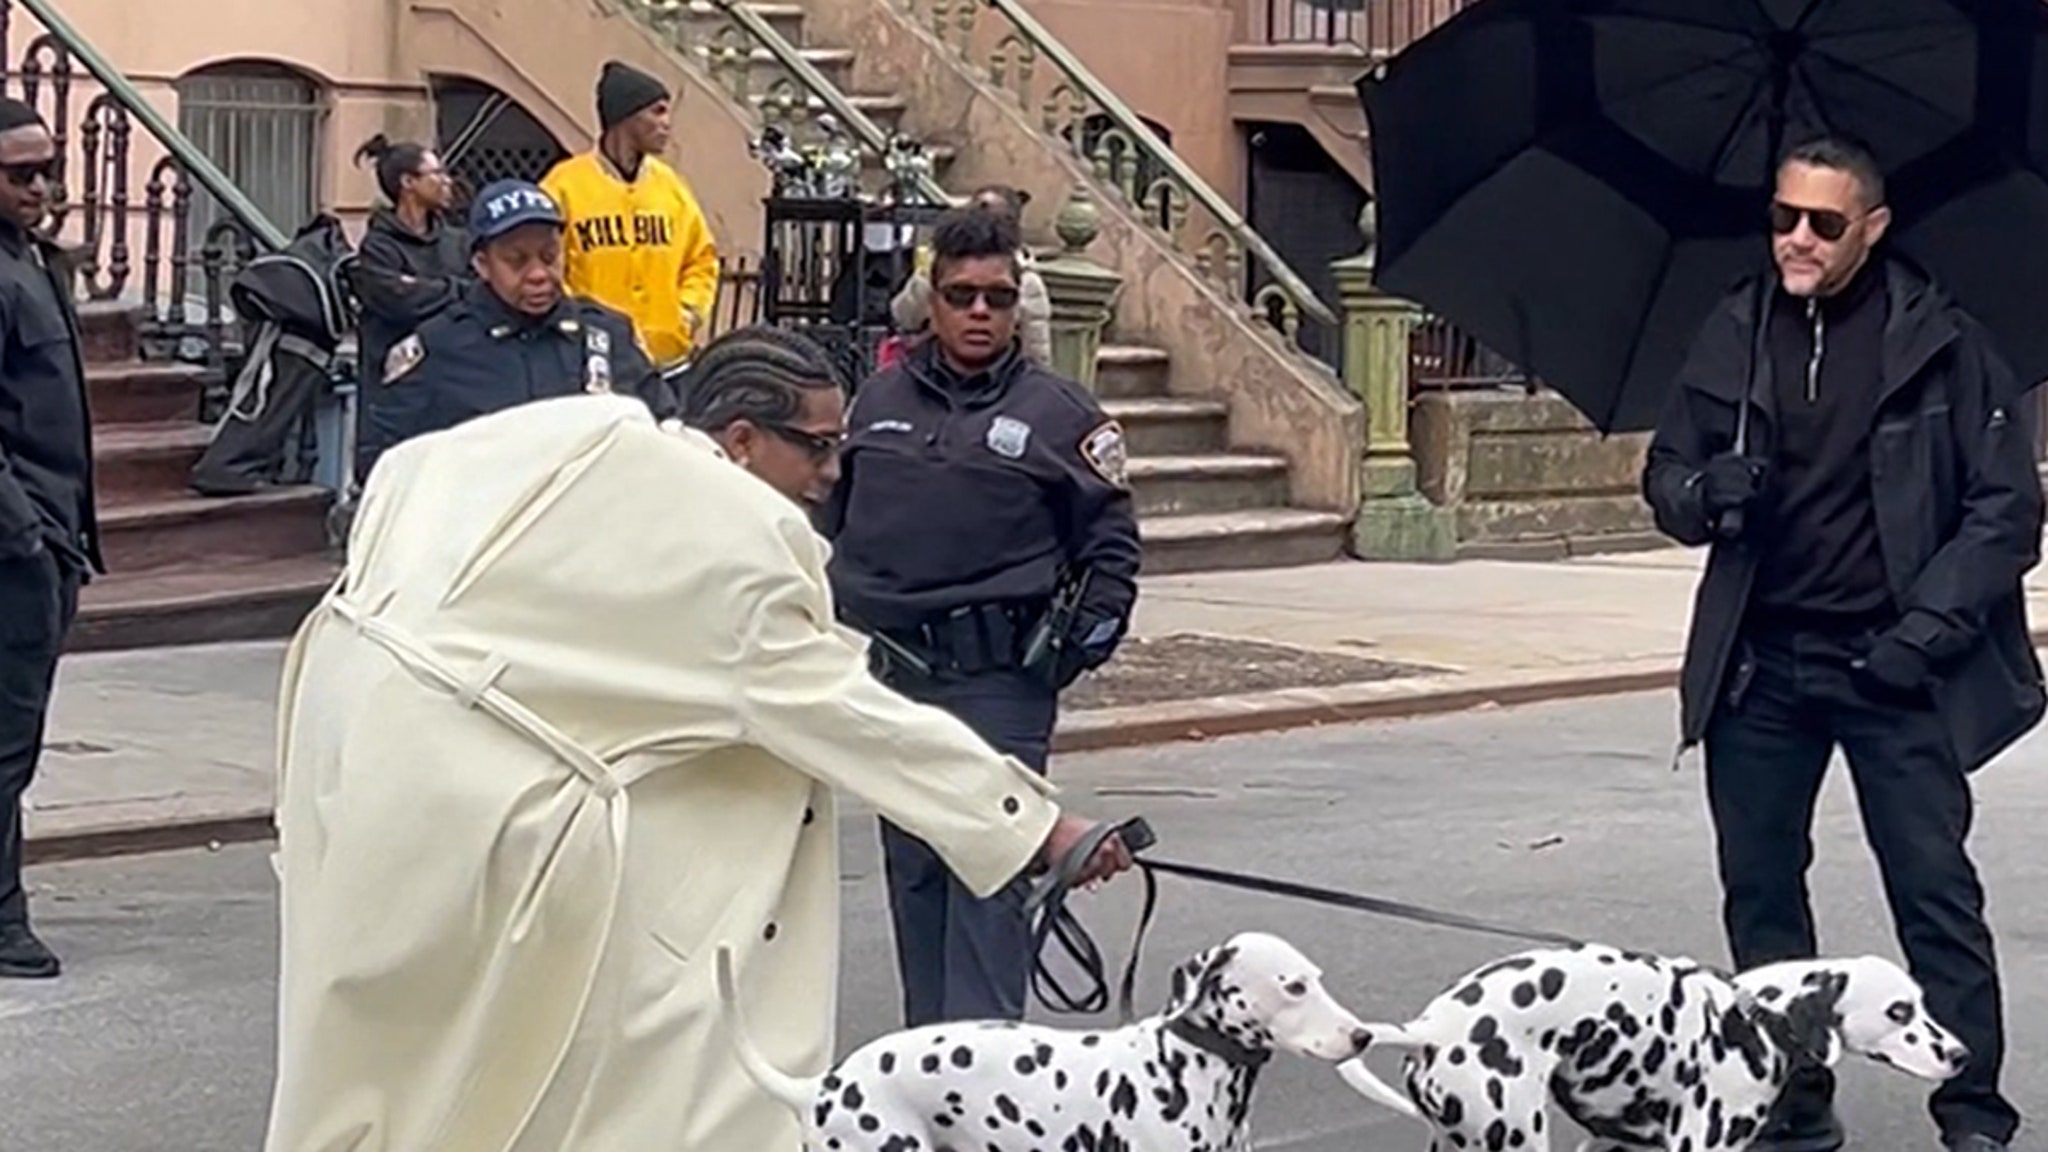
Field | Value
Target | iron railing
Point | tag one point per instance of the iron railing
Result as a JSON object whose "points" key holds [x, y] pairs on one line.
{"points": [[1381, 27], [1441, 358], [179, 279]]}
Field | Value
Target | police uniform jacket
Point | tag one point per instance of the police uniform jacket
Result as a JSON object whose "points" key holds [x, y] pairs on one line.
{"points": [[960, 491], [482, 356], [46, 470]]}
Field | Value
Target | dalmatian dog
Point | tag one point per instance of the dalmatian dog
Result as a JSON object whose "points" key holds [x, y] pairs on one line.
{"points": [[1180, 1080], [1643, 1052]]}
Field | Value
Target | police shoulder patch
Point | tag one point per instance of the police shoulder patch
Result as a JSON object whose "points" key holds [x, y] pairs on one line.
{"points": [[1105, 451], [404, 356]]}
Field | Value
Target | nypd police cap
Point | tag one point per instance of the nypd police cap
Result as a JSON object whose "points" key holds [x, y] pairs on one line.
{"points": [[508, 204]]}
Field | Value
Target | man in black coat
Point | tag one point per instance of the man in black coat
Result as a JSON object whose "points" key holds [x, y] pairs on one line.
{"points": [[1869, 533], [49, 539]]}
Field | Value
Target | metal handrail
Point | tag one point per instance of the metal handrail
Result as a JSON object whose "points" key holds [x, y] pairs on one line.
{"points": [[1129, 123], [175, 142], [807, 74]]}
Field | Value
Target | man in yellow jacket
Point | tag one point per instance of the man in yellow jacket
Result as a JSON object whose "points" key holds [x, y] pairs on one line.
{"points": [[637, 240]]}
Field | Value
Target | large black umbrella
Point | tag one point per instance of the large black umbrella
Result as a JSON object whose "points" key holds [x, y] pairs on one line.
{"points": [[1575, 182]]}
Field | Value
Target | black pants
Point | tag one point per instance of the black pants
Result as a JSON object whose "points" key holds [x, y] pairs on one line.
{"points": [[961, 958], [1767, 752], [38, 597]]}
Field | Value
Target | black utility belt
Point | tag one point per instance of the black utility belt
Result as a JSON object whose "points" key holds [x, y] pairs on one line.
{"points": [[969, 639]]}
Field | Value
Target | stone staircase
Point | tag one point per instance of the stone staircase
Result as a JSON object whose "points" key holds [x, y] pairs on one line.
{"points": [[1200, 505], [182, 569]]}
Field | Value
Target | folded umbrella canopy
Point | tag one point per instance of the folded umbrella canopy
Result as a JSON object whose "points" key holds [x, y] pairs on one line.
{"points": [[1576, 182]]}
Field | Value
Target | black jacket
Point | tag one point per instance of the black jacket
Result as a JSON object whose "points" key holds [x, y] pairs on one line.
{"points": [[1958, 507], [403, 279], [955, 497], [481, 357], [46, 476]]}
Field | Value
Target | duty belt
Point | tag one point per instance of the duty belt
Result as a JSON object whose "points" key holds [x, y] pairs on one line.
{"points": [[970, 639]]}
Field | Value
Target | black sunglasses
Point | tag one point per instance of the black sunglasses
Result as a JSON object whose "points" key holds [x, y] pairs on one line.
{"points": [[24, 175], [821, 446], [1827, 224], [962, 296]]}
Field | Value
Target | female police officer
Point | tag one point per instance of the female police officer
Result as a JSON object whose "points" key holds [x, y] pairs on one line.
{"points": [[983, 534], [513, 337]]}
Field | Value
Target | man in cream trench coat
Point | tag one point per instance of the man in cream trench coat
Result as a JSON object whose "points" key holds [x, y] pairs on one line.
{"points": [[573, 715]]}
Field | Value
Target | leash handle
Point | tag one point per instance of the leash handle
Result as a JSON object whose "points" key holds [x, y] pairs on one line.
{"points": [[1051, 921]]}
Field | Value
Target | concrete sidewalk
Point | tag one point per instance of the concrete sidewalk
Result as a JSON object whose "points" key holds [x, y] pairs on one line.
{"points": [[167, 747]]}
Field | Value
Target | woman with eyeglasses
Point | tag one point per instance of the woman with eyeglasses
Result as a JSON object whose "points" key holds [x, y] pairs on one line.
{"points": [[983, 535], [912, 307], [413, 260]]}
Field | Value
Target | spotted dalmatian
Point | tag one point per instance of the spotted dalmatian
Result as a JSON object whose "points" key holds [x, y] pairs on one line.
{"points": [[1642, 1052], [1177, 1082]]}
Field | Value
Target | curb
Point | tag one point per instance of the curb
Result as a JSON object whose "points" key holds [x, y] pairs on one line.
{"points": [[1096, 730], [1191, 720]]}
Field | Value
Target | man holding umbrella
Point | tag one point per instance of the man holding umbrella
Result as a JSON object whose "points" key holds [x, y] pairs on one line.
{"points": [[1872, 501]]}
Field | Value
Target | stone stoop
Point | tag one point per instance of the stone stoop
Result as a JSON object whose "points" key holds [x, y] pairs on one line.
{"points": [[1528, 478], [182, 569], [1202, 506]]}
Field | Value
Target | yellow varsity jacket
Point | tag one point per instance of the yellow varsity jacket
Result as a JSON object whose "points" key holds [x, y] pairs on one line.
{"points": [[641, 247]]}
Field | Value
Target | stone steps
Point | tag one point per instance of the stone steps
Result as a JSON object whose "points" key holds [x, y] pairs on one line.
{"points": [[182, 568]]}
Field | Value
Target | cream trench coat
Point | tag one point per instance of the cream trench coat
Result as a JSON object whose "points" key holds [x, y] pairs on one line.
{"points": [[573, 715]]}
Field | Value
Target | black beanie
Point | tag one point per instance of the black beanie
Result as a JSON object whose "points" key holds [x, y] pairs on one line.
{"points": [[623, 90]]}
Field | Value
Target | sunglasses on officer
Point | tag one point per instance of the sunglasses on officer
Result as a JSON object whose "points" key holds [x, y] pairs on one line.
{"points": [[1000, 297], [24, 175], [1826, 223]]}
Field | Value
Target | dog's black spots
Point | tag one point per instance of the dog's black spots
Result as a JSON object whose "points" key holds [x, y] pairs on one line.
{"points": [[1090, 1040], [1483, 1029], [1496, 1092], [1497, 1136], [1455, 1056], [1551, 983], [1601, 1048], [832, 1083], [900, 1143], [1451, 1111], [1717, 1125], [1536, 1122], [1059, 1079], [1667, 1020], [1771, 994], [1102, 1082], [930, 1065], [963, 1057], [1036, 1129], [870, 1124], [1654, 1054], [1740, 1130], [1517, 1138], [1008, 1108], [821, 1113], [1470, 995], [942, 1120], [1743, 1035], [1026, 1065], [1547, 1040], [888, 1063], [1511, 964], [1525, 994], [1124, 1100], [1043, 1054], [853, 1098]]}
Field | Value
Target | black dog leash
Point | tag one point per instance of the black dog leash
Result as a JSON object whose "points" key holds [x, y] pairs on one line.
{"points": [[1053, 922]]}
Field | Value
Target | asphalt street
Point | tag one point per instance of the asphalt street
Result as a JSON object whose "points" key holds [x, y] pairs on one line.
{"points": [[1567, 817]]}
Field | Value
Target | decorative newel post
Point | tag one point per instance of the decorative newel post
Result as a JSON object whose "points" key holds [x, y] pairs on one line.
{"points": [[1083, 292], [1395, 521]]}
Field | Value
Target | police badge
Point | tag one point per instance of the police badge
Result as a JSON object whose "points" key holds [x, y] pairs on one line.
{"points": [[1008, 437], [597, 361], [404, 356], [1105, 451]]}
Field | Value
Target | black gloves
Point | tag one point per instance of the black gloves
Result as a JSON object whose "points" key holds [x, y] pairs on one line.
{"points": [[1891, 671], [1728, 482]]}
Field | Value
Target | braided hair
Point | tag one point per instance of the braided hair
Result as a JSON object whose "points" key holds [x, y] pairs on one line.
{"points": [[759, 374]]}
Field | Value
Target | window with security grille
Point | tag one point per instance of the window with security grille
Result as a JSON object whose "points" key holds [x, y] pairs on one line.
{"points": [[262, 124], [485, 135]]}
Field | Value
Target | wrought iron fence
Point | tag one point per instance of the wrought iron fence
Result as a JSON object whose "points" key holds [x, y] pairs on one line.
{"points": [[739, 294], [181, 275], [1381, 27], [1442, 359]]}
